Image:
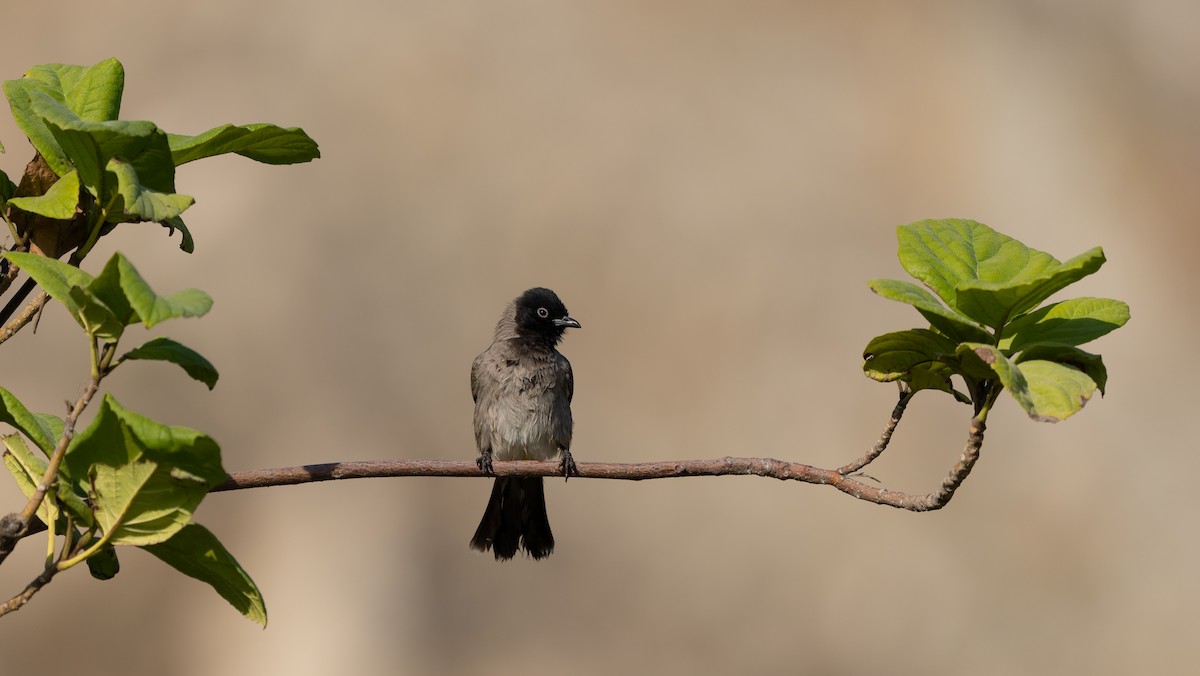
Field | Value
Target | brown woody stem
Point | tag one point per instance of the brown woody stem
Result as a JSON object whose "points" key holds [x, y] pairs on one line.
{"points": [[880, 446], [638, 471]]}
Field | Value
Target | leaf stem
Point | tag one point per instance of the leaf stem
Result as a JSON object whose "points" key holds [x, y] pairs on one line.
{"points": [[91, 549], [93, 232], [12, 228], [51, 536], [68, 537]]}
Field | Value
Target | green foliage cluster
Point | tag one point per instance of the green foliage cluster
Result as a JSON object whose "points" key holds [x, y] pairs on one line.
{"points": [[127, 168], [124, 479], [985, 323]]}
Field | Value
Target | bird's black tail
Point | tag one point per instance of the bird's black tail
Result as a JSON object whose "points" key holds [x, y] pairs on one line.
{"points": [[515, 518]]}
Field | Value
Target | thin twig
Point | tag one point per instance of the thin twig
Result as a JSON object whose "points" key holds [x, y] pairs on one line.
{"points": [[19, 297], [958, 473], [880, 446], [26, 315], [8, 272], [12, 532], [16, 602]]}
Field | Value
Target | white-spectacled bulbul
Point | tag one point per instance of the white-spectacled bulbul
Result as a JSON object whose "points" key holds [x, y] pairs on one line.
{"points": [[522, 388]]}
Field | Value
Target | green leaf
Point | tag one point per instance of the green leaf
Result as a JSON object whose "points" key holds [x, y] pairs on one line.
{"points": [[1003, 368], [58, 78], [28, 470], [983, 274], [96, 95], [79, 149], [147, 477], [59, 202], [176, 223], [96, 318], [91, 93], [14, 413], [7, 187], [260, 142], [1090, 364], [152, 308], [90, 145], [32, 465], [196, 552], [53, 423], [19, 94], [20, 473], [1048, 391], [140, 202], [946, 253], [142, 503], [118, 436], [106, 287], [130, 299], [934, 376], [55, 277], [1009, 375], [893, 355], [32, 468], [165, 349], [996, 303], [26, 481], [939, 316], [103, 565], [1057, 391], [1071, 322]]}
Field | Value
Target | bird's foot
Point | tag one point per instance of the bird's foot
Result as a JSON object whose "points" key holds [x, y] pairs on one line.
{"points": [[567, 465], [484, 461]]}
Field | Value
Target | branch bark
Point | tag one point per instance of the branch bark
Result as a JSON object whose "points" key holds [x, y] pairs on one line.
{"points": [[24, 317], [637, 471], [18, 601], [13, 527], [880, 446]]}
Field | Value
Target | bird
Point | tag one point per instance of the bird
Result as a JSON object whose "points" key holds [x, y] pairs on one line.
{"points": [[522, 387]]}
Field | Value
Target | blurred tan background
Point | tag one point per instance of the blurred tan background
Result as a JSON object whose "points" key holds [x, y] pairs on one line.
{"points": [[708, 186]]}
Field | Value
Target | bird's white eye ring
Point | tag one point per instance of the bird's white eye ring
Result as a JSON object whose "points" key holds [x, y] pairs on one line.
{"points": [[543, 312]]}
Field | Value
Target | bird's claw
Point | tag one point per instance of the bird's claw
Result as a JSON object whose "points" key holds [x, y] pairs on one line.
{"points": [[484, 461], [567, 465]]}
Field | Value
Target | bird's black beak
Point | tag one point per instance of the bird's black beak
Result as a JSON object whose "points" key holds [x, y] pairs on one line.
{"points": [[566, 322]]}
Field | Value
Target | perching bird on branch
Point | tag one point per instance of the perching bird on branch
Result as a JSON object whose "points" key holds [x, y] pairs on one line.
{"points": [[522, 388]]}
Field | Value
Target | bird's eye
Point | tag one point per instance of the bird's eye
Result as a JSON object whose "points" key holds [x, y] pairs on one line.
{"points": [[543, 312]]}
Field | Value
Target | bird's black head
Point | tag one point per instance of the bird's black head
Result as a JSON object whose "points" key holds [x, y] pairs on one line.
{"points": [[542, 316]]}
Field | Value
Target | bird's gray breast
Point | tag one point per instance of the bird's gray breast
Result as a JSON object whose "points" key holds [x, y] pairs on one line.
{"points": [[522, 411]]}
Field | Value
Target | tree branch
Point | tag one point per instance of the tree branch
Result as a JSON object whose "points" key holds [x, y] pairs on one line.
{"points": [[15, 302], [16, 602], [841, 478], [24, 317], [638, 471]]}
